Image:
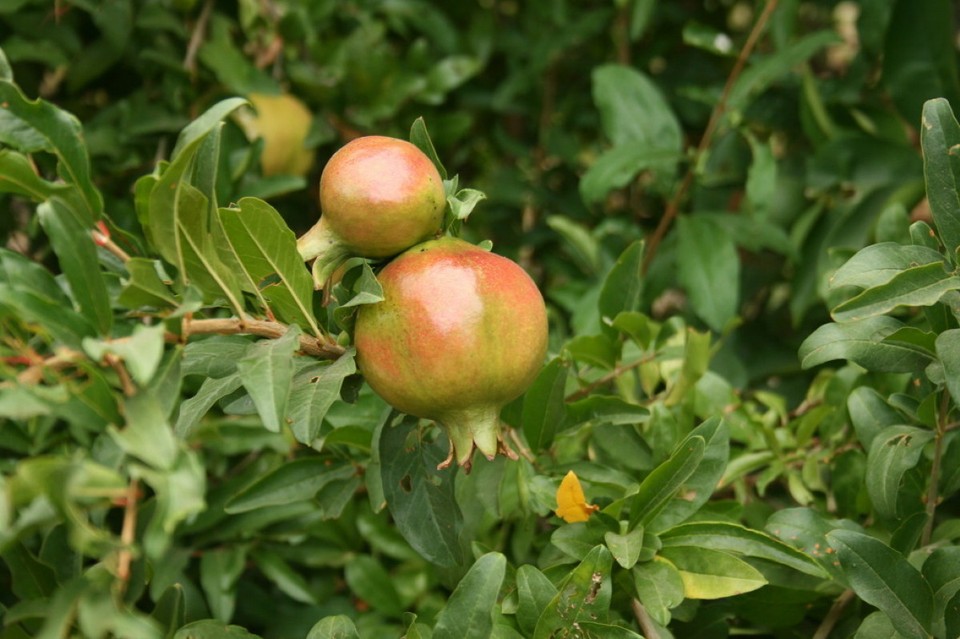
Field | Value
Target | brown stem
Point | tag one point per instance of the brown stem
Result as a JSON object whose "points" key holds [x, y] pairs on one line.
{"points": [[101, 239], [128, 533], [129, 389], [647, 626], [62, 359], [196, 38], [933, 495], [833, 616], [673, 207], [609, 377], [313, 346]]}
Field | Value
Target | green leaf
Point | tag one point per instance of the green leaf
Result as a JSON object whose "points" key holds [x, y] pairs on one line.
{"points": [[220, 570], [583, 247], [894, 451], [534, 593], [315, 389], [370, 581], [877, 626], [77, 254], [712, 574], [211, 391], [761, 184], [660, 486], [31, 126], [141, 352], [145, 286], [870, 413], [421, 139], [334, 627], [469, 610], [18, 175], [622, 286], [699, 486], [266, 371], [625, 548], [883, 578], [709, 269], [179, 495], [942, 571], [194, 132], [594, 350], [917, 286], [861, 342], [633, 110], [421, 497], [544, 405], [618, 166], [734, 538], [364, 286], [939, 136], [170, 610], [659, 587], [31, 579], [147, 434], [293, 481], [267, 248], [210, 629], [948, 352], [583, 595], [284, 576], [464, 201], [879, 263]]}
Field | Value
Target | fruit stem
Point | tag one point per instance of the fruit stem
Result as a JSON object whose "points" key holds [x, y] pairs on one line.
{"points": [[474, 429], [326, 249]]}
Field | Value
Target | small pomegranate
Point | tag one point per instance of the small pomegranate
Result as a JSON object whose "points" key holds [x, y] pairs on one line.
{"points": [[378, 197], [460, 333]]}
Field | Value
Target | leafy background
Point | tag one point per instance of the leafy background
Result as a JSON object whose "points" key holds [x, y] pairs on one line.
{"points": [[743, 217]]}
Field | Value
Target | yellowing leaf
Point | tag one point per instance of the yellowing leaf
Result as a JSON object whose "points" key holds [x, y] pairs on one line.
{"points": [[572, 506]]}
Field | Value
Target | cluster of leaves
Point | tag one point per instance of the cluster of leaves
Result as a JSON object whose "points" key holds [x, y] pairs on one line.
{"points": [[188, 451]]}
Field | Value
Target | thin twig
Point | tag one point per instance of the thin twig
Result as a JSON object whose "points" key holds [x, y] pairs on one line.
{"points": [[933, 495], [102, 239], [126, 383], [128, 533], [609, 377], [647, 627], [313, 346], [833, 616], [673, 207], [196, 38]]}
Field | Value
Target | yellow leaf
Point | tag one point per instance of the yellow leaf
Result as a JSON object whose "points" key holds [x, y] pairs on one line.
{"points": [[572, 505]]}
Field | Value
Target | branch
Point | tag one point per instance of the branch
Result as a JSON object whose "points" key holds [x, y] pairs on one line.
{"points": [[839, 605], [933, 495], [128, 533], [609, 377], [673, 207], [647, 627], [313, 346], [196, 38]]}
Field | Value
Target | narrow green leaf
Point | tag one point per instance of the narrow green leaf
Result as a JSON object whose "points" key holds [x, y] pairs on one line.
{"points": [[583, 247], [31, 579], [35, 125], [469, 610], [882, 577], [211, 391], [894, 451], [145, 286], [421, 139], [6, 72], [594, 350], [861, 342], [267, 248], [583, 595], [534, 593], [622, 286], [939, 137], [210, 629], [421, 498], [942, 571], [877, 625], [734, 538], [284, 576], [617, 167], [73, 243], [709, 269], [660, 486], [917, 286], [220, 570], [761, 184], [334, 627], [712, 574], [266, 371], [208, 120], [948, 352], [18, 175], [179, 495], [364, 286], [879, 263], [633, 110], [315, 389], [298, 480], [464, 201], [544, 405], [170, 610], [370, 581]]}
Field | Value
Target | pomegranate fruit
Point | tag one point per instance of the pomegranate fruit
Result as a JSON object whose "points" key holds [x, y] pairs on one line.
{"points": [[283, 122], [460, 332], [378, 197]]}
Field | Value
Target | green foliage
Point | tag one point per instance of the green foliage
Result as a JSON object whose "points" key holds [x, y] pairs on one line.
{"points": [[744, 217]]}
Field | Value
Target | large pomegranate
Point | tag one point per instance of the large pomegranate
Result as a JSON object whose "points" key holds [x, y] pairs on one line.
{"points": [[460, 333], [378, 197]]}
